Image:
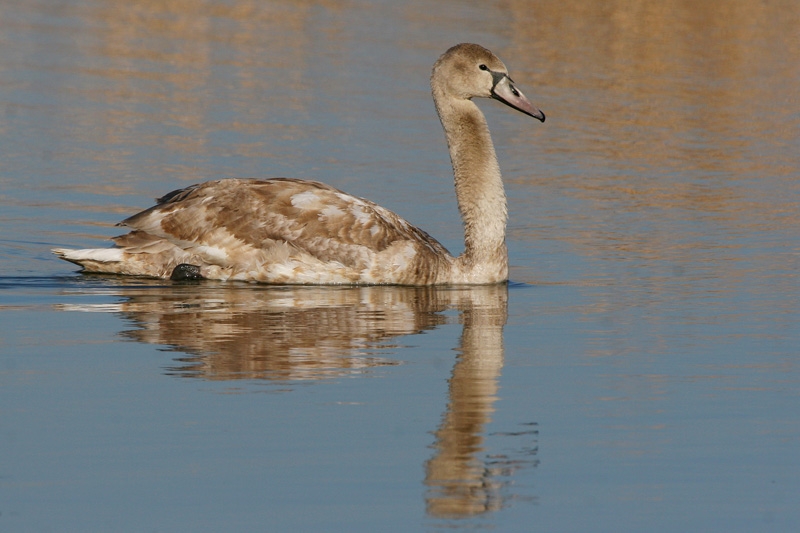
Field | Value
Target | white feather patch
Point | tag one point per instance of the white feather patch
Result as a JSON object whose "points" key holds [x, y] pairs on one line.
{"points": [[305, 200], [102, 255], [331, 211]]}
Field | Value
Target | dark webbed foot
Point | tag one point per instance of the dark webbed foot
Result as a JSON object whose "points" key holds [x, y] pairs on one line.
{"points": [[186, 272]]}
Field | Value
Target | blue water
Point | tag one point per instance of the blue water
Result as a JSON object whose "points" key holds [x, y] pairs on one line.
{"points": [[640, 373]]}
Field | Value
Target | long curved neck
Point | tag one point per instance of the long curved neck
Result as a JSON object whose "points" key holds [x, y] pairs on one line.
{"points": [[479, 186]]}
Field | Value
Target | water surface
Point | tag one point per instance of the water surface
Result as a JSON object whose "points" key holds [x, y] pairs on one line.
{"points": [[640, 373]]}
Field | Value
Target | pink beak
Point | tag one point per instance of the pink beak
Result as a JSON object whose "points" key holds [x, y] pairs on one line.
{"points": [[505, 91]]}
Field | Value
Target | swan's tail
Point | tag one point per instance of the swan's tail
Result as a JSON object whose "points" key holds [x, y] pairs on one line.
{"points": [[93, 259]]}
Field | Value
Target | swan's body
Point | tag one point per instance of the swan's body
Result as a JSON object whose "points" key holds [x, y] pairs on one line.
{"points": [[293, 231]]}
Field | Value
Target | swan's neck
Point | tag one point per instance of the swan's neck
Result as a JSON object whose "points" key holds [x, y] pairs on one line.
{"points": [[479, 189]]}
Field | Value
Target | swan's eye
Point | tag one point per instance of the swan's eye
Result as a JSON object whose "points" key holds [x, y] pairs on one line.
{"points": [[483, 67]]}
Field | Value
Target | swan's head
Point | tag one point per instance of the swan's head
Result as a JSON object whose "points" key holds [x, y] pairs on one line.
{"points": [[469, 70]]}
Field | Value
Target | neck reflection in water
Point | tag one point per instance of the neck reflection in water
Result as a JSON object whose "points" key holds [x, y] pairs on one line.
{"points": [[459, 481], [282, 334]]}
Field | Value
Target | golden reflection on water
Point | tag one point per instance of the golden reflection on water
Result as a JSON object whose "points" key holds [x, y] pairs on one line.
{"points": [[679, 101]]}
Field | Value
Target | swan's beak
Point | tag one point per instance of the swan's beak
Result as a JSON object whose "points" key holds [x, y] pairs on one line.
{"points": [[505, 91]]}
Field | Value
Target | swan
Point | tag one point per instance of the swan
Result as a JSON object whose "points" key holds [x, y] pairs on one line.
{"points": [[291, 231]]}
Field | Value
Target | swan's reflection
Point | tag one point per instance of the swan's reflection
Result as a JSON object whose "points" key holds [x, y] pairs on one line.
{"points": [[230, 331], [282, 333]]}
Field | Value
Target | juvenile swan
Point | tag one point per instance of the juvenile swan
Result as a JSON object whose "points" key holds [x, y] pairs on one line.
{"points": [[292, 231]]}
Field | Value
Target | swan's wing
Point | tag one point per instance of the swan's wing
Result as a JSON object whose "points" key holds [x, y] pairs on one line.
{"points": [[224, 220]]}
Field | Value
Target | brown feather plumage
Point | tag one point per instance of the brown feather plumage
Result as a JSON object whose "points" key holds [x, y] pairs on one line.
{"points": [[299, 219]]}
